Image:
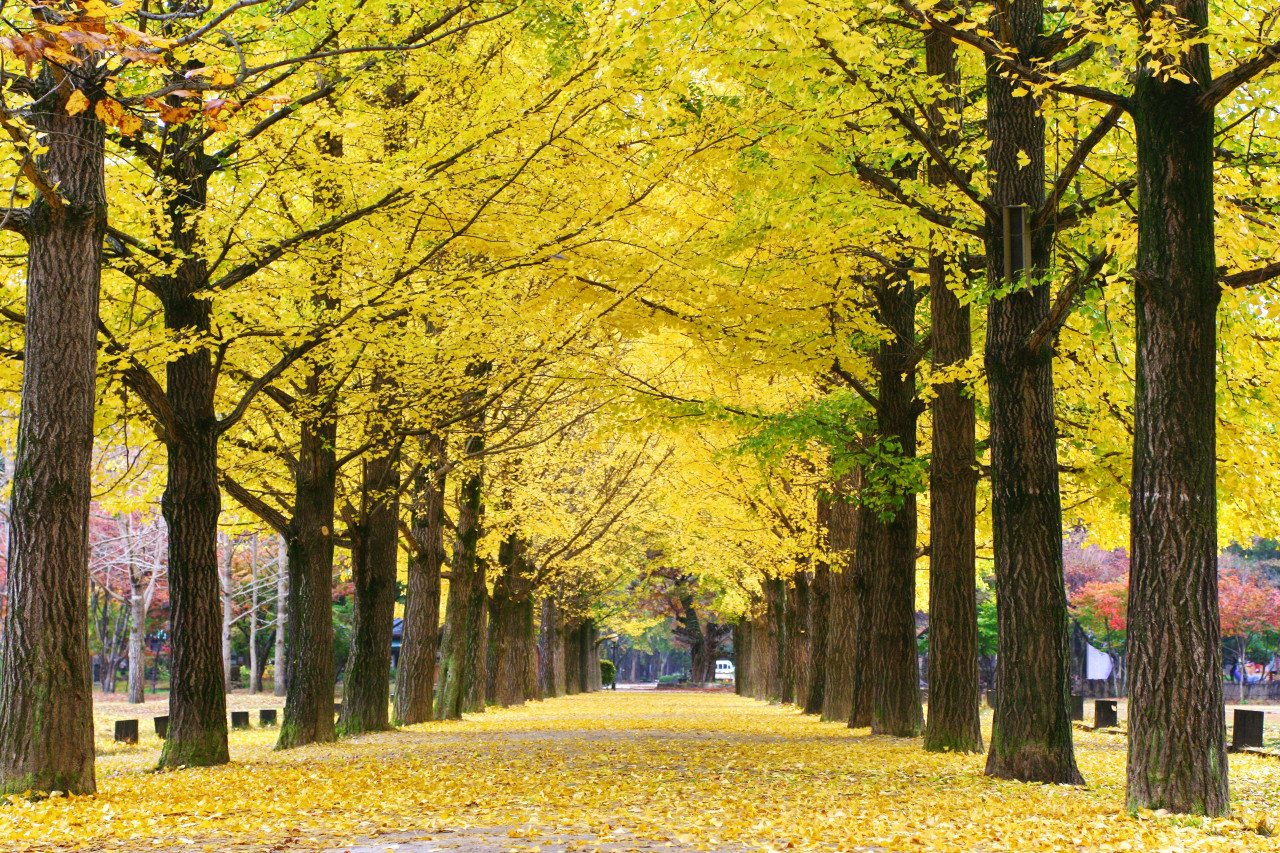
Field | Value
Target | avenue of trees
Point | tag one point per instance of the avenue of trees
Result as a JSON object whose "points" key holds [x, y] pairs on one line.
{"points": [[542, 316]]}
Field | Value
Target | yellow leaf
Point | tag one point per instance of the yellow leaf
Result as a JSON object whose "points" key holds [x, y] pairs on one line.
{"points": [[77, 103], [176, 115], [109, 111]]}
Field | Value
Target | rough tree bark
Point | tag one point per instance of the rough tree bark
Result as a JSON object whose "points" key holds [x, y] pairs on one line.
{"points": [[308, 709], [591, 678], [573, 660], [953, 723], [887, 546], [1031, 736], [742, 657], [776, 674], [798, 637], [846, 636], [551, 650], [509, 611], [46, 722], [366, 694], [416, 672], [819, 607], [192, 501], [1177, 754], [462, 656]]}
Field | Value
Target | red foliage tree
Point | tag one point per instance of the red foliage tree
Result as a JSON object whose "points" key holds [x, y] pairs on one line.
{"points": [[1247, 607]]}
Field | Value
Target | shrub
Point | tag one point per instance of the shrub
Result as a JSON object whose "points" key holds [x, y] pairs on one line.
{"points": [[608, 672]]}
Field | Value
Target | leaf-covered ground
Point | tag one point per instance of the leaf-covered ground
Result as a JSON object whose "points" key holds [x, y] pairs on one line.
{"points": [[623, 771]]}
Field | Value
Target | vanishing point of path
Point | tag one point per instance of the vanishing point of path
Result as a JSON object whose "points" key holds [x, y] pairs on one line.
{"points": [[613, 772]]}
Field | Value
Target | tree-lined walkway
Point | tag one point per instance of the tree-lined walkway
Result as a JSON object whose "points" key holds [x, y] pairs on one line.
{"points": [[622, 771]]}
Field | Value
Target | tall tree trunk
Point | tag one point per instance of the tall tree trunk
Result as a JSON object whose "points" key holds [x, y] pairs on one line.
{"points": [[953, 724], [591, 678], [819, 607], [798, 637], [255, 674], [845, 698], [192, 500], [1177, 737], [419, 643], [1031, 736], [462, 657], [139, 597], [507, 612], [46, 691], [278, 679], [551, 650], [367, 687], [741, 657], [225, 584], [891, 542], [308, 709], [529, 648], [776, 674], [573, 660]]}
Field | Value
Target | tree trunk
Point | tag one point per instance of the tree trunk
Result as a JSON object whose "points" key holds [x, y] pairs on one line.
{"points": [[1031, 736], [419, 643], [367, 687], [138, 599], [192, 500], [255, 674], [591, 677], [798, 637], [573, 661], [953, 724], [308, 709], [891, 542], [1177, 737], [224, 577], [46, 690], [527, 656], [741, 657], [278, 679], [507, 661], [551, 650], [776, 674], [462, 658], [846, 657], [819, 607]]}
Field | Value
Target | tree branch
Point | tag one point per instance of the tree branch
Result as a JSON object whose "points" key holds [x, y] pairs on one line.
{"points": [[277, 251], [998, 52], [1062, 305], [1251, 277], [852, 382], [271, 516], [1069, 172], [1225, 84]]}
